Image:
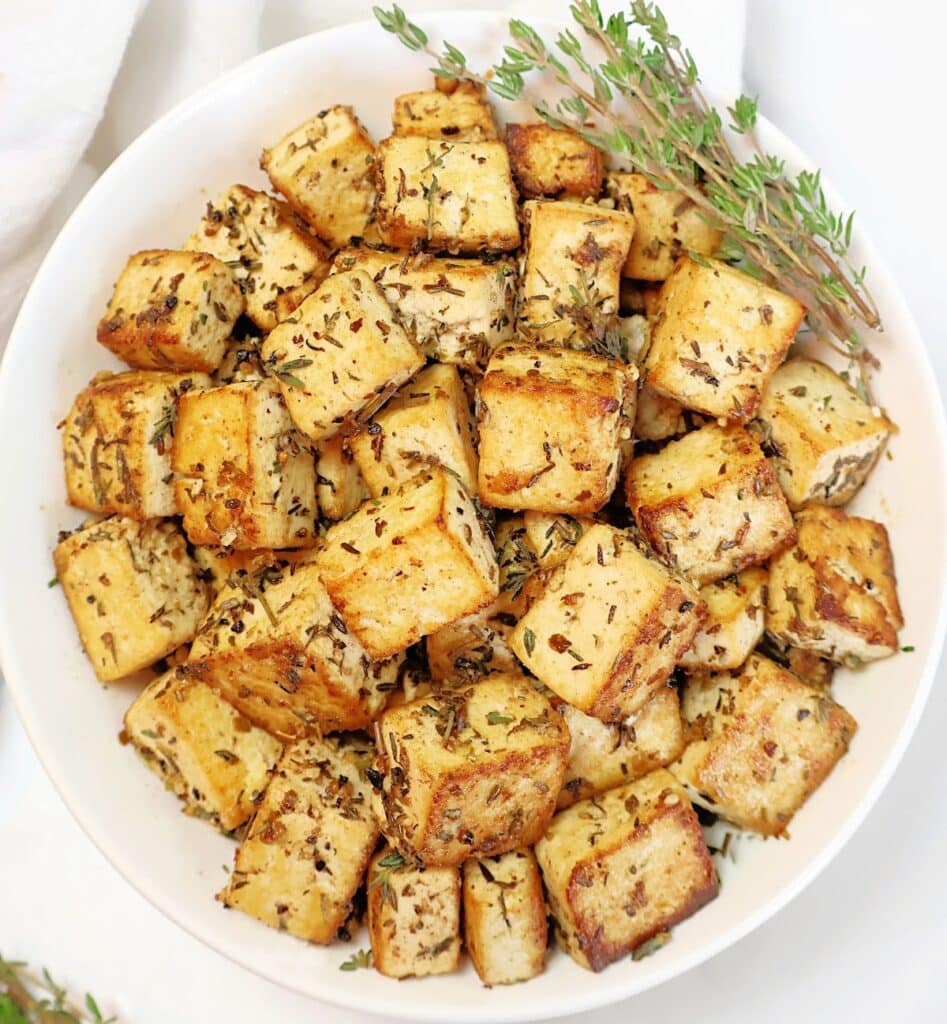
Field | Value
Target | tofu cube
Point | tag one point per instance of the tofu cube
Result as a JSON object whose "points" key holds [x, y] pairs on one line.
{"points": [[133, 590], [413, 917], [761, 742], [171, 311], [274, 647], [453, 196], [736, 612], [273, 254], [206, 752], [340, 487], [325, 170], [552, 538], [476, 645], [609, 627], [505, 924], [244, 476], [835, 592], [406, 564], [623, 868], [669, 226], [309, 845], [573, 259], [462, 115], [470, 771], [823, 438], [717, 338], [550, 421], [341, 355], [709, 503], [553, 162]]}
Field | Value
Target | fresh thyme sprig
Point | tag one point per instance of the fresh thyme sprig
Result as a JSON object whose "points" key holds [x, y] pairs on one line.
{"points": [[27, 998]]}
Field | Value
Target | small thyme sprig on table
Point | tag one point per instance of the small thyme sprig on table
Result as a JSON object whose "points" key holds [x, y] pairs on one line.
{"points": [[777, 227], [27, 998]]}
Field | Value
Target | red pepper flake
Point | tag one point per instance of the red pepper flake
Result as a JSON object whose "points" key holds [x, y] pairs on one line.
{"points": [[356, 325]]}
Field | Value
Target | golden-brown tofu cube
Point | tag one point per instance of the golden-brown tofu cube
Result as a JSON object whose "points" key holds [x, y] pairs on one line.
{"points": [[133, 590], [272, 253], [736, 612], [761, 742], [206, 752], [470, 771], [461, 115], [325, 170], [709, 503], [340, 488], [341, 355], [609, 627], [553, 162], [623, 868], [406, 564], [823, 438], [453, 196], [505, 924], [309, 845], [835, 592], [413, 917], [551, 537], [171, 311], [717, 338]]}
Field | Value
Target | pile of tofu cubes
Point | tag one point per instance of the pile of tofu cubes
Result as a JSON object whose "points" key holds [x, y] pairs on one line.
{"points": [[478, 527]]}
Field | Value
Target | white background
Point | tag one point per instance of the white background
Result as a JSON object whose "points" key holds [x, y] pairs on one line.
{"points": [[859, 86]]}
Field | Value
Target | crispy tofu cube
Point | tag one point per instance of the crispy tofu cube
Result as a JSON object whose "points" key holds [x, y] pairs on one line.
{"points": [[605, 756], [462, 115], [505, 924], [669, 225], [457, 311], [244, 476], [206, 752], [242, 362], [273, 254], [413, 917], [736, 607], [309, 845], [552, 538], [609, 627], [325, 170], [274, 647], [171, 311], [709, 503], [550, 421], [342, 354], [340, 487], [406, 564], [623, 868], [453, 196], [823, 437], [553, 162], [657, 417], [761, 743], [835, 592], [573, 259], [717, 338], [133, 590], [470, 771]]}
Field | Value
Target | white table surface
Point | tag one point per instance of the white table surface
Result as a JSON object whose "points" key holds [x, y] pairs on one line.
{"points": [[855, 84]]}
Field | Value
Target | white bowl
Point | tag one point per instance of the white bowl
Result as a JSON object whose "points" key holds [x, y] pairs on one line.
{"points": [[152, 196]]}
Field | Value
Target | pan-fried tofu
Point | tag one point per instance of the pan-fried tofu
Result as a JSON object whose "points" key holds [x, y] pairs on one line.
{"points": [[553, 162], [761, 742], [623, 868], [505, 924], [823, 437], [470, 771], [709, 503], [341, 355], [340, 488], [717, 338], [551, 538], [835, 593], [736, 612], [609, 627], [669, 225], [462, 115], [573, 259], [325, 170], [272, 253], [476, 645], [406, 564], [309, 845], [453, 196], [413, 917], [206, 752], [171, 311], [133, 590], [244, 476], [550, 421]]}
